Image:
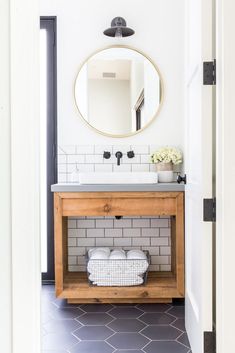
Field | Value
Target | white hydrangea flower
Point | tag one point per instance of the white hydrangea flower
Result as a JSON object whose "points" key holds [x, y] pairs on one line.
{"points": [[167, 155]]}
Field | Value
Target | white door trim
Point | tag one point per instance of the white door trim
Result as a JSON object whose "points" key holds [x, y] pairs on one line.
{"points": [[19, 153], [225, 175]]}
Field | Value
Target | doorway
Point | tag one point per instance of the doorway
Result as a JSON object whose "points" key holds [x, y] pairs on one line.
{"points": [[48, 142]]}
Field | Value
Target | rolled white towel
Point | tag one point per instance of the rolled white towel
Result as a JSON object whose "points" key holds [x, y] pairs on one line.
{"points": [[117, 255], [136, 254], [99, 253]]}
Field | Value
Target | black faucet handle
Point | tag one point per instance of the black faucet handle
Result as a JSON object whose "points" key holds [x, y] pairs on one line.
{"points": [[130, 154], [106, 155], [118, 154], [181, 179]]}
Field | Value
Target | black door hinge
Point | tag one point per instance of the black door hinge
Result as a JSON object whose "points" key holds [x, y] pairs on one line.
{"points": [[209, 342], [209, 210], [209, 72]]}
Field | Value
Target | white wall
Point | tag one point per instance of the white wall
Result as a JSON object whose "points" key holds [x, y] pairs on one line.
{"points": [[159, 27], [105, 111]]}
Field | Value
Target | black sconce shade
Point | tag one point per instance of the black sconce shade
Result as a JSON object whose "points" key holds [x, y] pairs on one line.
{"points": [[118, 28]]}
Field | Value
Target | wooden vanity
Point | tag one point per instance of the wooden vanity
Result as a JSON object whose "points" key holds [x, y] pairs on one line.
{"points": [[161, 286]]}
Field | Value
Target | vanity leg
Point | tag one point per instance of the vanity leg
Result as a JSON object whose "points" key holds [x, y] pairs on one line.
{"points": [[179, 244], [61, 240]]}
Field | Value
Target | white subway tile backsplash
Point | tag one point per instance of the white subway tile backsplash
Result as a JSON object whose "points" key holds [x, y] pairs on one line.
{"points": [[77, 233], [86, 223], [103, 168], [72, 260], [72, 223], [141, 241], [62, 168], [159, 223], [93, 158], [71, 159], [122, 223], [86, 242], [165, 232], [122, 148], [85, 168], [95, 233], [62, 178], [145, 158], [120, 242], [104, 223], [165, 250], [76, 251], [140, 168], [122, 168], [159, 260], [85, 149], [68, 149], [104, 242], [72, 241], [159, 241], [62, 158], [131, 232], [113, 233], [100, 149], [150, 232], [133, 160], [141, 223], [146, 232]]}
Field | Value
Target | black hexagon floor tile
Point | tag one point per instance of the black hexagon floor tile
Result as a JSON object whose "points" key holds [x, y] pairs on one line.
{"points": [[95, 319], [177, 311], [58, 341], [96, 308], [154, 308], [126, 325], [91, 347], [91, 333], [125, 312], [61, 326], [66, 313], [165, 347], [179, 323], [156, 319], [109, 328], [158, 332], [128, 341], [184, 340], [128, 351]]}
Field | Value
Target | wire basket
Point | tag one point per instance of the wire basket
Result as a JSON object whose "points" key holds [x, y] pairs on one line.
{"points": [[116, 273]]}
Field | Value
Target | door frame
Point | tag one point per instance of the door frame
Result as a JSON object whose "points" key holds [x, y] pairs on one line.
{"points": [[19, 153], [50, 24], [225, 174]]}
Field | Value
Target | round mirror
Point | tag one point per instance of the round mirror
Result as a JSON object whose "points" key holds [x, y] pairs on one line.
{"points": [[118, 91]]}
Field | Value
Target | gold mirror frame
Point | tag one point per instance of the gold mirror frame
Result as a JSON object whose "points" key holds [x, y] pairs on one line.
{"points": [[161, 92]]}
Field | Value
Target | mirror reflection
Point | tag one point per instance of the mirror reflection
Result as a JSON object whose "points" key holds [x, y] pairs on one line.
{"points": [[118, 91]]}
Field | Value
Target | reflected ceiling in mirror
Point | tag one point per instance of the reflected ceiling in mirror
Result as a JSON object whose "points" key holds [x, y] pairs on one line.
{"points": [[118, 91]]}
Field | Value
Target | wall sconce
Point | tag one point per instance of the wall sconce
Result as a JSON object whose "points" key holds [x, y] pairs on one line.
{"points": [[119, 28]]}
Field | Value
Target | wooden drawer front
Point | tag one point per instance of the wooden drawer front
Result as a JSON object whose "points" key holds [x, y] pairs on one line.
{"points": [[119, 206]]}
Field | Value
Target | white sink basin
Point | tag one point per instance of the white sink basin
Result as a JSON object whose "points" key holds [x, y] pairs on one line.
{"points": [[118, 178]]}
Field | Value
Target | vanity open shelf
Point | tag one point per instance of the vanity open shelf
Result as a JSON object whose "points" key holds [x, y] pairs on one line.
{"points": [[160, 286]]}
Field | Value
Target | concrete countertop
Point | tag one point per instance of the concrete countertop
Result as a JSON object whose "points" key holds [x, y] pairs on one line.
{"points": [[75, 187]]}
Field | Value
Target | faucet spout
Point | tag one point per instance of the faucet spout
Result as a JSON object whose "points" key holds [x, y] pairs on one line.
{"points": [[118, 155]]}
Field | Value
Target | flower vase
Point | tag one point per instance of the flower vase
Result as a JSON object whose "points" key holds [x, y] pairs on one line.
{"points": [[165, 172]]}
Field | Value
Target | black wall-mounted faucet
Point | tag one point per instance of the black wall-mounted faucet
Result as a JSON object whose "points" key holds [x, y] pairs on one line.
{"points": [[118, 155]]}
